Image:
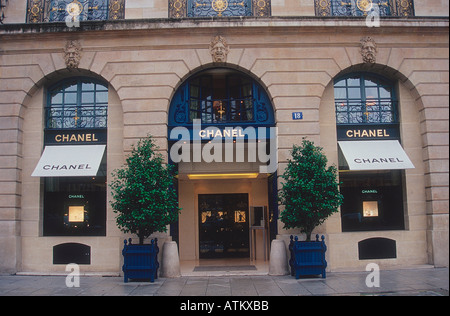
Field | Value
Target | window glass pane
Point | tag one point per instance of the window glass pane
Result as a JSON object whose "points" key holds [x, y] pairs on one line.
{"points": [[67, 110], [221, 96], [71, 88], [340, 93], [87, 97], [195, 105], [341, 83], [57, 99], [374, 104], [70, 98], [372, 93], [371, 82], [99, 87], [195, 91], [88, 86], [354, 93], [354, 82], [247, 90], [385, 92], [372, 201], [75, 206], [101, 97]]}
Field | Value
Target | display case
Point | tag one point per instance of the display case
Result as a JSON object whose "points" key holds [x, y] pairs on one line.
{"points": [[258, 216], [258, 222]]}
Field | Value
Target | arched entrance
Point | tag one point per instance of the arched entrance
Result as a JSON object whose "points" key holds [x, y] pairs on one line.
{"points": [[222, 138]]}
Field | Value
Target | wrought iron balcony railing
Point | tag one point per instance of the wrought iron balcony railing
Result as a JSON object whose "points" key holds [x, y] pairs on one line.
{"points": [[39, 11], [384, 8], [370, 112], [222, 111], [72, 117]]}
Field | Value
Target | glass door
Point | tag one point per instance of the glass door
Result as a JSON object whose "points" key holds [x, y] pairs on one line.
{"points": [[223, 225]]}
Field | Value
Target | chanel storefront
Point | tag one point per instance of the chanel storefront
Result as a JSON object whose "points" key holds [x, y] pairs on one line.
{"points": [[222, 137], [225, 99]]}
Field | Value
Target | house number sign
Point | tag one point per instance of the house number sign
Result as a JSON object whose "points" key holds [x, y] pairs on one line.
{"points": [[297, 116]]}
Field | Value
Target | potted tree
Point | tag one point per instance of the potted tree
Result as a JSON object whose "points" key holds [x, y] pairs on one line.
{"points": [[310, 194], [145, 201]]}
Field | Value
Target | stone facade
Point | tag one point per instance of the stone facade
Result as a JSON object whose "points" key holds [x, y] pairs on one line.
{"points": [[295, 58]]}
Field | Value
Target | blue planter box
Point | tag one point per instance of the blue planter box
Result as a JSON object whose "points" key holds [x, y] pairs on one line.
{"points": [[140, 261], [307, 257]]}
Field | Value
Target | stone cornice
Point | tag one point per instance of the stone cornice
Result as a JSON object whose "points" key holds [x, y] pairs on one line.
{"points": [[307, 24]]}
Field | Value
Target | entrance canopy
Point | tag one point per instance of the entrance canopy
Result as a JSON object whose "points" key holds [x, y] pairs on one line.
{"points": [[70, 161], [375, 155]]}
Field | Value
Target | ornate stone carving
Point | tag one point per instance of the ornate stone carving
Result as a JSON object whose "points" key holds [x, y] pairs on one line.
{"points": [[369, 50], [72, 54], [219, 49]]}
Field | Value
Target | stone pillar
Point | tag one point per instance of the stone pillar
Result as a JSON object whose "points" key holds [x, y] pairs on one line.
{"points": [[438, 240], [278, 258], [170, 263]]}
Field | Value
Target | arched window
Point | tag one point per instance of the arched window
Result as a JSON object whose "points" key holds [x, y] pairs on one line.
{"points": [[221, 96], [73, 163], [371, 159], [365, 99], [77, 103]]}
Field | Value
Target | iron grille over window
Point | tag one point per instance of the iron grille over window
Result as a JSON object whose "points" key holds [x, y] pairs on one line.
{"points": [[400, 8], [218, 8], [77, 104], [365, 99], [59, 10]]}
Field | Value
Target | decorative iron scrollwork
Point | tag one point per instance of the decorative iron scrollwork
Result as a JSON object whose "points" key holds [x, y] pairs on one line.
{"points": [[405, 7], [35, 11], [57, 10], [262, 8], [204, 8], [220, 8], [400, 8]]}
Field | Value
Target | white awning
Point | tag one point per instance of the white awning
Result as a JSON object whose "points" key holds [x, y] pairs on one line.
{"points": [[70, 161], [375, 155]]}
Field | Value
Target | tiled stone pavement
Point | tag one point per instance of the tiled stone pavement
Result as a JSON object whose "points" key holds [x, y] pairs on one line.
{"points": [[408, 282]]}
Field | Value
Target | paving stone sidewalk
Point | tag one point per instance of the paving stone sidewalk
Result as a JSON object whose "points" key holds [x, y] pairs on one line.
{"points": [[407, 282]]}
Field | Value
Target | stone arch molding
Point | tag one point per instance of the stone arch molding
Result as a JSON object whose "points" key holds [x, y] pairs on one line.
{"points": [[368, 56], [34, 101], [212, 65]]}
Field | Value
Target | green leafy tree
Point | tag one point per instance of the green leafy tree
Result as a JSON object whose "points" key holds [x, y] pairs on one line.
{"points": [[310, 192], [143, 192]]}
